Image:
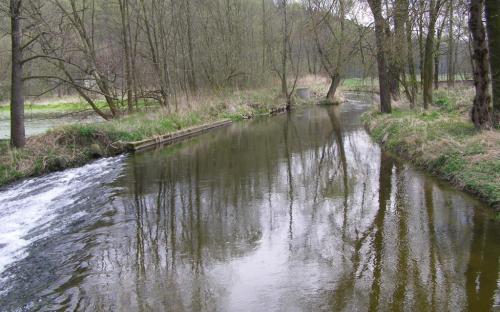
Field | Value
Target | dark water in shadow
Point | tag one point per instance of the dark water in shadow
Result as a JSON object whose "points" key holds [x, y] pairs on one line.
{"points": [[291, 213]]}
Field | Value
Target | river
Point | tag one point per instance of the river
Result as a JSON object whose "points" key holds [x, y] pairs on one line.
{"points": [[40, 124], [299, 212]]}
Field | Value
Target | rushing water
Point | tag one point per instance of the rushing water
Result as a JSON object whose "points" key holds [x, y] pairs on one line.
{"points": [[291, 213]]}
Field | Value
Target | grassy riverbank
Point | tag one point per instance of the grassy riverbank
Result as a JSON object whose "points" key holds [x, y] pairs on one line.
{"points": [[61, 107], [443, 141], [77, 144]]}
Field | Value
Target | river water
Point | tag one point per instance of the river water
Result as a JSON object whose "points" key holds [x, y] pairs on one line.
{"points": [[39, 125], [297, 212]]}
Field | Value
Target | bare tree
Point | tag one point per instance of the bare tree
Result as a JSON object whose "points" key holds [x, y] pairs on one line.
{"points": [[117, 52], [399, 46], [434, 7], [335, 39], [383, 73], [81, 24], [284, 53], [125, 23], [480, 113], [451, 45], [437, 52], [492, 8], [18, 137], [189, 32], [409, 76], [286, 56]]}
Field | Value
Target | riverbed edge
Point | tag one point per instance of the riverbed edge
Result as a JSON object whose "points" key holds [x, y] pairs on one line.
{"points": [[76, 145], [381, 127]]}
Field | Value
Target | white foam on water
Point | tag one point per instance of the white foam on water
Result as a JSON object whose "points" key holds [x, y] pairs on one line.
{"points": [[32, 204]]}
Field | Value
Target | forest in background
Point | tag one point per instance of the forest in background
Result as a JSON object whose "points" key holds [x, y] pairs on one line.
{"points": [[116, 54]]}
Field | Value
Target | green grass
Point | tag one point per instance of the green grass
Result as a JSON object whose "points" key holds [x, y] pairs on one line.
{"points": [[56, 109], [352, 82], [76, 144], [371, 85], [444, 142], [358, 84]]}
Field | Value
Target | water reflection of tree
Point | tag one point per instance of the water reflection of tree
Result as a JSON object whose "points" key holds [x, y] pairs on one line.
{"points": [[210, 205], [429, 205], [290, 179], [394, 291], [482, 275], [175, 227], [385, 189], [334, 115], [403, 248], [402, 233]]}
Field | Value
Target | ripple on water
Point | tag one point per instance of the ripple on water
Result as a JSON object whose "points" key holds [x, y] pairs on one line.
{"points": [[29, 207]]}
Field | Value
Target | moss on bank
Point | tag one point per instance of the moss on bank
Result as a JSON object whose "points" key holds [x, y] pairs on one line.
{"points": [[77, 144], [445, 143]]}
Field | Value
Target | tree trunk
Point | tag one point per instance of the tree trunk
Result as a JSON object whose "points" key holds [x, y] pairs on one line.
{"points": [[394, 76], [429, 56], [161, 70], [308, 59], [384, 84], [493, 24], [421, 47], [437, 54], [17, 134], [332, 64], [399, 51], [284, 59], [480, 113], [334, 84], [436, 71], [413, 85], [398, 47], [264, 36], [192, 76], [133, 60], [451, 47], [127, 53], [427, 72]]}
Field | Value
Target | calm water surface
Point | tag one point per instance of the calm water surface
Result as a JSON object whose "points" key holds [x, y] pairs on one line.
{"points": [[292, 213]]}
